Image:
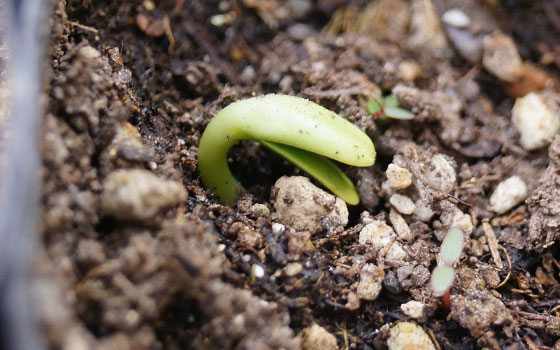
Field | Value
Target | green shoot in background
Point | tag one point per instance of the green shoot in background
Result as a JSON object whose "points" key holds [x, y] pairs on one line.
{"points": [[387, 107]]}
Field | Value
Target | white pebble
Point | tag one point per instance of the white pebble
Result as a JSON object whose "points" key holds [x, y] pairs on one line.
{"points": [[278, 228], [408, 335], [414, 309], [442, 175], [423, 212], [456, 18], [535, 121], [400, 226], [398, 177], [403, 204], [378, 234], [396, 252], [258, 271], [501, 58], [371, 280], [293, 269], [508, 194], [462, 222]]}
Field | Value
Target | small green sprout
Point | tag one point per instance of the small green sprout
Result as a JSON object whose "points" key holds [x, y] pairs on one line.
{"points": [[299, 130], [443, 275], [387, 107]]}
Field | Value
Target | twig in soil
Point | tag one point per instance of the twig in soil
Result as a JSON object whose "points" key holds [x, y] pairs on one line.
{"points": [[344, 333], [533, 346], [449, 195], [509, 264], [336, 305], [525, 292], [492, 243], [320, 278], [169, 34], [434, 340], [84, 27], [178, 7], [547, 304], [473, 180]]}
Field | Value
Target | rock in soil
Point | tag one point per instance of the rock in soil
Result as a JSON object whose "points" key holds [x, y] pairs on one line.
{"points": [[400, 226], [535, 120], [474, 306], [378, 234], [317, 338], [403, 204], [508, 194], [456, 17], [305, 207], [407, 336], [138, 195], [500, 57], [399, 178], [425, 26], [371, 280], [414, 309], [441, 175], [544, 204]]}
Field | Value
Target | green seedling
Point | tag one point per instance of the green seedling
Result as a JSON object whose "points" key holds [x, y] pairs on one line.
{"points": [[299, 130], [442, 279], [387, 107], [444, 274]]}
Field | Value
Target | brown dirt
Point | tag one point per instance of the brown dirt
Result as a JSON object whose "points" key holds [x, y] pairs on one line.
{"points": [[133, 86]]}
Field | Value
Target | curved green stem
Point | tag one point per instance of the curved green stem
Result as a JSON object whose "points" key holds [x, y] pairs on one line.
{"points": [[297, 129]]}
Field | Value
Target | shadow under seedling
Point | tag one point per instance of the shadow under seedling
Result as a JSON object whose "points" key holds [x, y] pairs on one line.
{"points": [[301, 131], [444, 274]]}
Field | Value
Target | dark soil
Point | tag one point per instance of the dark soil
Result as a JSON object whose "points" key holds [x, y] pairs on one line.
{"points": [[152, 265]]}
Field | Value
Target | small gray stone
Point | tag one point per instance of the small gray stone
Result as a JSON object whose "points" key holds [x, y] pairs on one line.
{"points": [[501, 58], [305, 207], [396, 252], [442, 175], [371, 281], [400, 226], [139, 195], [423, 212], [425, 27], [403, 204], [414, 309], [378, 234]]}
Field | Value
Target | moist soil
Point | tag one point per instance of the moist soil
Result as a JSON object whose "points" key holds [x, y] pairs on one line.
{"points": [[135, 254]]}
